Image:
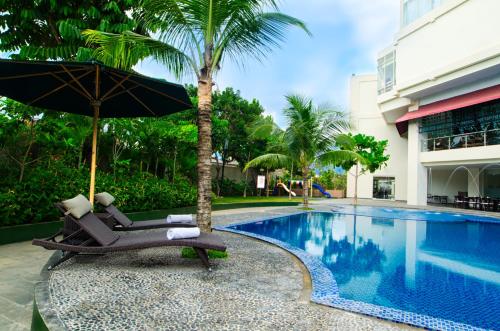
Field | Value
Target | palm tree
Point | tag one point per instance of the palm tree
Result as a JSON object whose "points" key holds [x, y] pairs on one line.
{"points": [[200, 35], [308, 139]]}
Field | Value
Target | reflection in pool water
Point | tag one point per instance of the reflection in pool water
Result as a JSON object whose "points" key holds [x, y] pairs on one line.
{"points": [[444, 269]]}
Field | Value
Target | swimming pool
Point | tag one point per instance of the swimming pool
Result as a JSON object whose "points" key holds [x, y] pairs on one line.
{"points": [[434, 270]]}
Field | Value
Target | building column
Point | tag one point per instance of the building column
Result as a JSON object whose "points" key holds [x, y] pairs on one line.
{"points": [[417, 173]]}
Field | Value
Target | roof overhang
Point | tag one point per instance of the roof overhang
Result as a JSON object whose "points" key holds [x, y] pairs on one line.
{"points": [[458, 102]]}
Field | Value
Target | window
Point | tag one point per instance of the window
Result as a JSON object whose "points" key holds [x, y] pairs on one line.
{"points": [[414, 9], [386, 73], [472, 126], [383, 188]]}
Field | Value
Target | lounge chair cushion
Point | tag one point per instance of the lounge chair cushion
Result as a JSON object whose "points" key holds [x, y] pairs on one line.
{"points": [[120, 217], [97, 229], [104, 198], [78, 206]]}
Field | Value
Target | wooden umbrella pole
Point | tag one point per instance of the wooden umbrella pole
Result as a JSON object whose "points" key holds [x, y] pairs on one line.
{"points": [[96, 104], [94, 154]]}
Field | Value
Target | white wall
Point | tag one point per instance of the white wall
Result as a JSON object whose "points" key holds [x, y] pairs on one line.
{"points": [[440, 182], [366, 118], [455, 34]]}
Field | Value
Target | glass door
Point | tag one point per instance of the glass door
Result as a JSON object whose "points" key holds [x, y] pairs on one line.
{"points": [[384, 187]]}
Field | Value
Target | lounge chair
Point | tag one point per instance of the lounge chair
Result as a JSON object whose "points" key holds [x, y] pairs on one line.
{"points": [[123, 223], [118, 221], [100, 239]]}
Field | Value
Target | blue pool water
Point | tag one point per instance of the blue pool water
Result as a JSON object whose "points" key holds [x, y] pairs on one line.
{"points": [[442, 265]]}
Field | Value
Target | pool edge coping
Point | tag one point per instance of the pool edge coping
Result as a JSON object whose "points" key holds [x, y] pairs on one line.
{"points": [[322, 278], [42, 300]]}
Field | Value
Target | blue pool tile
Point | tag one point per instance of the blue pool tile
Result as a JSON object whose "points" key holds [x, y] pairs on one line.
{"points": [[400, 282]]}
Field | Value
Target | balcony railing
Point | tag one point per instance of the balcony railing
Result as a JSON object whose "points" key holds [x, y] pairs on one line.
{"points": [[464, 140]]}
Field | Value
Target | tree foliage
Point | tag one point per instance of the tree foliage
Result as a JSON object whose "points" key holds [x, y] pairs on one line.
{"points": [[147, 163], [309, 138], [370, 155], [198, 36], [371, 151], [50, 29]]}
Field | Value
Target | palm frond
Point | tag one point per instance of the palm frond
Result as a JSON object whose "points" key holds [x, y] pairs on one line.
{"points": [[270, 161], [251, 32], [345, 141], [177, 22], [263, 128], [339, 157], [128, 48]]}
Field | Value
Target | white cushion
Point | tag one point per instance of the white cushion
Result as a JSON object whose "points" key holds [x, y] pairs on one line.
{"points": [[78, 206], [104, 198]]}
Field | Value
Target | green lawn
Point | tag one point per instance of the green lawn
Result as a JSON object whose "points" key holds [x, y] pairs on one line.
{"points": [[220, 204], [255, 200]]}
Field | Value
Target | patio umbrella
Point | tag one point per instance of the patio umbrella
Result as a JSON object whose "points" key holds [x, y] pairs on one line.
{"points": [[90, 89]]}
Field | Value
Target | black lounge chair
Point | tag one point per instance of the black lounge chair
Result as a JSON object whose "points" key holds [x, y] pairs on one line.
{"points": [[94, 237], [120, 222]]}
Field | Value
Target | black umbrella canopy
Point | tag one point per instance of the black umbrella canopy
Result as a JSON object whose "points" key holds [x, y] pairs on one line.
{"points": [[91, 89], [75, 86]]}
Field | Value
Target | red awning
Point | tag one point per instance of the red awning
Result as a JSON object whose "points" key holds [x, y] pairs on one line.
{"points": [[461, 101]]}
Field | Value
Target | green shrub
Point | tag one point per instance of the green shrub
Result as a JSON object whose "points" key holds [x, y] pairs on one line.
{"points": [[189, 253], [230, 188], [31, 201]]}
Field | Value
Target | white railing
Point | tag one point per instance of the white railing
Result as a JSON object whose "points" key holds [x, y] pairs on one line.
{"points": [[464, 140]]}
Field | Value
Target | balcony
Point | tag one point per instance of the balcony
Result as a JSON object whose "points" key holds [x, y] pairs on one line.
{"points": [[465, 140]]}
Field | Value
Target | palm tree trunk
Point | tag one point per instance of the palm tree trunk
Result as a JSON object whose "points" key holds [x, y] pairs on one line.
{"points": [[267, 183], [246, 178], [204, 201], [290, 188], [356, 185], [305, 185]]}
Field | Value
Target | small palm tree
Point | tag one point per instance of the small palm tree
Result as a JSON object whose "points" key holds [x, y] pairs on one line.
{"points": [[308, 139], [201, 35]]}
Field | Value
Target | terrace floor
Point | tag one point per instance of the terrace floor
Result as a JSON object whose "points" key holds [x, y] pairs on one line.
{"points": [[259, 286], [20, 265]]}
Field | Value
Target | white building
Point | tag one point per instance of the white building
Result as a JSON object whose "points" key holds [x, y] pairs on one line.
{"points": [[436, 99]]}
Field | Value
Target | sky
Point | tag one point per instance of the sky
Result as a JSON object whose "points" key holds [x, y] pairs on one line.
{"points": [[347, 35]]}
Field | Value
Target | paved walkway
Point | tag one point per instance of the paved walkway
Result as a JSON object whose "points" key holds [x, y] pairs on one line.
{"points": [[259, 287], [20, 265]]}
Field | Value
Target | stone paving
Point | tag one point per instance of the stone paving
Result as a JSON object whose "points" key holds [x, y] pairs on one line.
{"points": [[20, 266], [260, 287]]}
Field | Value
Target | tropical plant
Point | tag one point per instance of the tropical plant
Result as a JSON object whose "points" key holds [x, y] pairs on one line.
{"points": [[332, 180], [228, 105], [309, 138], [48, 29], [371, 155], [200, 35]]}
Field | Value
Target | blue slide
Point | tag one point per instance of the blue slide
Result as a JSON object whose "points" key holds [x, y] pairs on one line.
{"points": [[322, 190]]}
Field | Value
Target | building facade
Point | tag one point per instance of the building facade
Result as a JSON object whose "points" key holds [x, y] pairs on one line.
{"points": [[436, 99]]}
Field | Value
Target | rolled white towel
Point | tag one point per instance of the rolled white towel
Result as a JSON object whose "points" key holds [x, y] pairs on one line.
{"points": [[183, 233], [180, 218]]}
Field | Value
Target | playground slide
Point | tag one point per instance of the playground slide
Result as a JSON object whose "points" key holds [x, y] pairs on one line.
{"points": [[286, 189], [322, 190]]}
